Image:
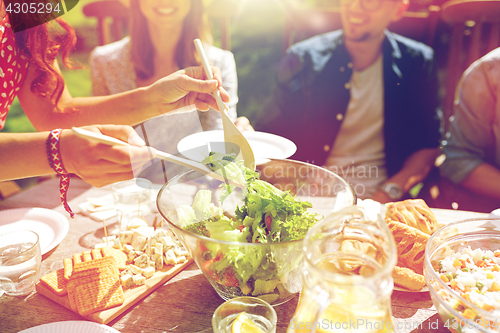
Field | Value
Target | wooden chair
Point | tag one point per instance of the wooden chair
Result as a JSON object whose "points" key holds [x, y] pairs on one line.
{"points": [[221, 13], [304, 22], [475, 32], [106, 11]]}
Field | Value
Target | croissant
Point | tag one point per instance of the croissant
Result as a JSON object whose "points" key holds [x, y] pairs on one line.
{"points": [[414, 213], [406, 278], [410, 243]]}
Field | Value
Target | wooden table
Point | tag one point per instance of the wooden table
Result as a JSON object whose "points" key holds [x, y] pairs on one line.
{"points": [[183, 304]]}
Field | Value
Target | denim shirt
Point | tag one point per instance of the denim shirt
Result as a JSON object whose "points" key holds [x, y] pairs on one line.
{"points": [[474, 135], [311, 96]]}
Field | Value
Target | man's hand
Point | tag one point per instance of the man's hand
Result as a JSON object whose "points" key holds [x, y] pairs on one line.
{"points": [[243, 124], [381, 197], [186, 87]]}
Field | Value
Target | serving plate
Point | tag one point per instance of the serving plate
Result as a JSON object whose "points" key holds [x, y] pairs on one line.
{"points": [[50, 226], [264, 145], [73, 326], [424, 289]]}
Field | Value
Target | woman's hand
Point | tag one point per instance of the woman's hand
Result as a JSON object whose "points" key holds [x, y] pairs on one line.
{"points": [[100, 164], [243, 124], [187, 87]]}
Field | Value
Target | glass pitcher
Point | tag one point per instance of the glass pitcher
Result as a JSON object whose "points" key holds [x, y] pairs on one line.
{"points": [[347, 272]]}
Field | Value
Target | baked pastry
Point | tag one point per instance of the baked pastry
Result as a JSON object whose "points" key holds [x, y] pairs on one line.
{"points": [[414, 213], [410, 243], [357, 249], [407, 278]]}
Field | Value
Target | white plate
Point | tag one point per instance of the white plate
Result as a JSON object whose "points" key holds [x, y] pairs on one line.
{"points": [[264, 145], [424, 289], [50, 226], [76, 326], [495, 214]]}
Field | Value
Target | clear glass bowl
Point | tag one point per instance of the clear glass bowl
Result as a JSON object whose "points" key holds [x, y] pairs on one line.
{"points": [[280, 275], [476, 233]]}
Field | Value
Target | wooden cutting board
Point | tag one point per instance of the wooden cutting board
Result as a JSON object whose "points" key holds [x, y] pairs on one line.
{"points": [[132, 295]]}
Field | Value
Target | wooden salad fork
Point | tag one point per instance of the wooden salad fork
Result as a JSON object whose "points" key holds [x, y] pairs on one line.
{"points": [[231, 133], [197, 166]]}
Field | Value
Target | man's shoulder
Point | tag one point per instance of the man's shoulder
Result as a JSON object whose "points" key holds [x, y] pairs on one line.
{"points": [[317, 44], [410, 47], [309, 57], [118, 50]]}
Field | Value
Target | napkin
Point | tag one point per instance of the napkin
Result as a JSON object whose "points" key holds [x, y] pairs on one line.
{"points": [[103, 208], [99, 209], [373, 209]]}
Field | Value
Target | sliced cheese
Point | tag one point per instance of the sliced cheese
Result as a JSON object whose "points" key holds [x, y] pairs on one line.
{"points": [[148, 272], [139, 280], [167, 243], [142, 261], [136, 270], [126, 237], [127, 248], [108, 239], [170, 258], [180, 251], [139, 242], [127, 281], [180, 260], [143, 232]]}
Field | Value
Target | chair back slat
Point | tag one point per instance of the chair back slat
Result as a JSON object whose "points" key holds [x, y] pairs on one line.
{"points": [[112, 19], [475, 32]]}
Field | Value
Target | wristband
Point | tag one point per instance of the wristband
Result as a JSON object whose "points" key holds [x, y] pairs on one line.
{"points": [[55, 161]]}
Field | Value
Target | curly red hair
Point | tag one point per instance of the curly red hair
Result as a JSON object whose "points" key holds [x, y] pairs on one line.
{"points": [[43, 43]]}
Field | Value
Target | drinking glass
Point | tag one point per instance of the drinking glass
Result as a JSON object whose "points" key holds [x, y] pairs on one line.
{"points": [[20, 260], [132, 200], [257, 310]]}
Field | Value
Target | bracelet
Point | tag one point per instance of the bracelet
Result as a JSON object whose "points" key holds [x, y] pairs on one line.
{"points": [[55, 161]]}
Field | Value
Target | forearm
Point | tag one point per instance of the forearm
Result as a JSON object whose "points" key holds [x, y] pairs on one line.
{"points": [[484, 180], [23, 155], [185, 89], [127, 108], [415, 169]]}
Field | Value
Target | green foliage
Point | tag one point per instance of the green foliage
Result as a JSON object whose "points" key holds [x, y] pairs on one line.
{"points": [[17, 120], [257, 44]]}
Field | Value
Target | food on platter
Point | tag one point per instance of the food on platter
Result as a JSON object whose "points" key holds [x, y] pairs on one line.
{"points": [[474, 274], [56, 282], [413, 212], [95, 280], [359, 248], [143, 251], [94, 286], [407, 278], [267, 216], [410, 244], [411, 222]]}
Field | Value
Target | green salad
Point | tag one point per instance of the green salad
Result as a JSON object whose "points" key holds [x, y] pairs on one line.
{"points": [[266, 215]]}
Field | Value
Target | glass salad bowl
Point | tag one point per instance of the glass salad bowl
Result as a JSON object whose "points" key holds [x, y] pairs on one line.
{"points": [[462, 272], [243, 261]]}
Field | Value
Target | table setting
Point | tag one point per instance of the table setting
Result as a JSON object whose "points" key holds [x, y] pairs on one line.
{"points": [[187, 301]]}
